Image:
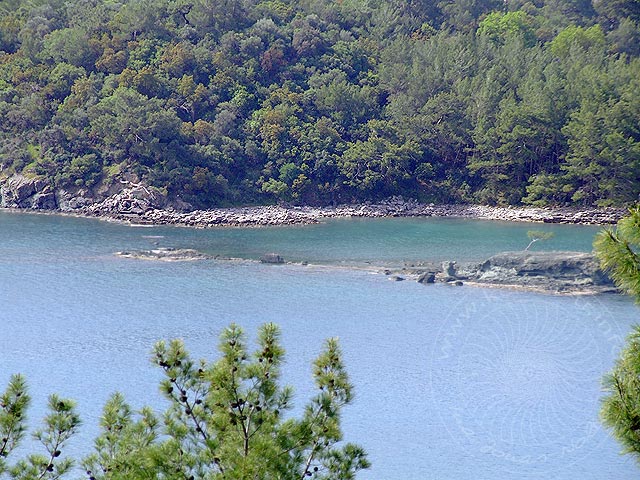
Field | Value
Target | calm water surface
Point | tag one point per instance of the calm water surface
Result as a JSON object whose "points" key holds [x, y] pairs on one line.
{"points": [[455, 383]]}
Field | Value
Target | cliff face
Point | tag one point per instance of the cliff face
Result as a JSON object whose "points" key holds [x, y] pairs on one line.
{"points": [[123, 196], [19, 191]]}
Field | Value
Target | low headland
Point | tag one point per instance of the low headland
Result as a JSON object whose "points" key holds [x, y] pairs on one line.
{"points": [[552, 272]]}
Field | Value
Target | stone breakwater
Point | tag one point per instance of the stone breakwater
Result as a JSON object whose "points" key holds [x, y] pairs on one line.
{"points": [[135, 207]]}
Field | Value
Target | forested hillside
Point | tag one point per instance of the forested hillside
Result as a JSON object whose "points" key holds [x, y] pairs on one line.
{"points": [[318, 101]]}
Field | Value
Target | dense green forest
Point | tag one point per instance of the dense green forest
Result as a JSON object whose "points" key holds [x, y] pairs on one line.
{"points": [[322, 101]]}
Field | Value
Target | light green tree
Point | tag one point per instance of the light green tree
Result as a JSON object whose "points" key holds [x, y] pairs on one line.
{"points": [[537, 236], [497, 26]]}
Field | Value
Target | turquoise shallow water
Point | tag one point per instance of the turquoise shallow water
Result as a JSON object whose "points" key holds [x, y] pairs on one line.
{"points": [[382, 240], [457, 383]]}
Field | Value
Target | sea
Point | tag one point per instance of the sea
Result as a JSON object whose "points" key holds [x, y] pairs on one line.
{"points": [[450, 382]]}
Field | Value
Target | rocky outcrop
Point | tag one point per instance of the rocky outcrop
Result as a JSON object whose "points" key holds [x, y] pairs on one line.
{"points": [[19, 191], [120, 199], [165, 254], [131, 202], [562, 272]]}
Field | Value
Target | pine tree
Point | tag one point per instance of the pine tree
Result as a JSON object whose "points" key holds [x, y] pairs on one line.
{"points": [[226, 419], [618, 253], [59, 425]]}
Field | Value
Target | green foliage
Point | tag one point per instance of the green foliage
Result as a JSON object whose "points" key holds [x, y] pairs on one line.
{"points": [[618, 252], [621, 407], [577, 37], [13, 407], [69, 45], [463, 14], [497, 26], [226, 419], [604, 151], [59, 425], [242, 102], [81, 171], [124, 448], [616, 10]]}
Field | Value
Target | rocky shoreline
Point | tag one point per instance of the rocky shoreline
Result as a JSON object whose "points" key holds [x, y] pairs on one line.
{"points": [[137, 204], [132, 207]]}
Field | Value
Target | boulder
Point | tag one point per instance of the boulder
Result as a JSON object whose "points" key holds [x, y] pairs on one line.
{"points": [[272, 258], [427, 277], [448, 272], [449, 269]]}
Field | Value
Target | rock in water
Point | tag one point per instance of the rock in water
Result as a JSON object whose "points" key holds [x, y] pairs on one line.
{"points": [[558, 271], [427, 277], [165, 254], [272, 258]]}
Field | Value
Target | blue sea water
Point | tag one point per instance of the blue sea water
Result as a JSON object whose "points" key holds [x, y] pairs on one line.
{"points": [[451, 383]]}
